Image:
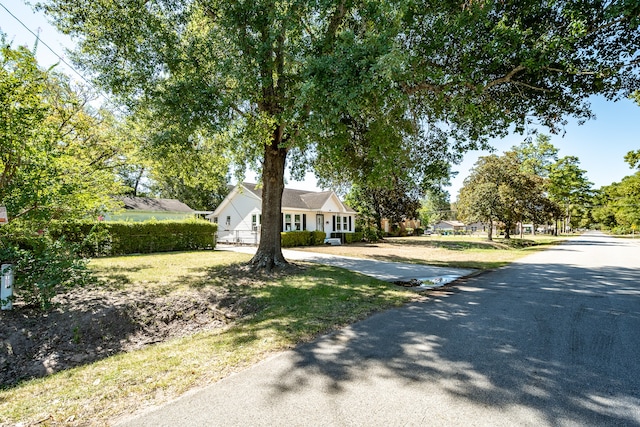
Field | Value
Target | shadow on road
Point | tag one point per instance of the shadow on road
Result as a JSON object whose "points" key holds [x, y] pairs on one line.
{"points": [[561, 341]]}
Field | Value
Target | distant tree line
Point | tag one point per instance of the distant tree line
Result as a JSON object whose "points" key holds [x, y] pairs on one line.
{"points": [[528, 184]]}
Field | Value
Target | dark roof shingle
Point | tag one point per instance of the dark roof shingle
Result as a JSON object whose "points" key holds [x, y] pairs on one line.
{"points": [[297, 199], [154, 205]]}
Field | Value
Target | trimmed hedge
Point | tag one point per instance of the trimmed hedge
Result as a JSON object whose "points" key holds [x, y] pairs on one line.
{"points": [[123, 238], [358, 236], [290, 239]]}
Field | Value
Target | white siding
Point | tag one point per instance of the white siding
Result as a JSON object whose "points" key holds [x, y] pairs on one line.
{"points": [[239, 208], [239, 211]]}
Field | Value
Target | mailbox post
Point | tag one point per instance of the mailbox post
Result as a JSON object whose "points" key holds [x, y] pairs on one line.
{"points": [[6, 288]]}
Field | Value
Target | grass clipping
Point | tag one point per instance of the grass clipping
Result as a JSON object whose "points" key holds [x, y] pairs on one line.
{"points": [[166, 323]]}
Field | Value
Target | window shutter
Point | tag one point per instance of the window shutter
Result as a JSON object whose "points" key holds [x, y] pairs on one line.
{"points": [[334, 223], [281, 222], [304, 221], [349, 223]]}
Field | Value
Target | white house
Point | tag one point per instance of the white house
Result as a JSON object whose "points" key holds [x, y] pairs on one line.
{"points": [[239, 216], [449, 226]]}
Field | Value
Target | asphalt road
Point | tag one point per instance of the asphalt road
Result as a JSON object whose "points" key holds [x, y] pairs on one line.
{"points": [[552, 340]]}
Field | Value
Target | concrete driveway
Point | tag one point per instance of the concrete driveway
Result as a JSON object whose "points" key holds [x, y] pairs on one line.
{"points": [[431, 276]]}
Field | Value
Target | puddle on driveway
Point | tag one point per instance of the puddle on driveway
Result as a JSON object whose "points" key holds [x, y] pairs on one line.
{"points": [[428, 282]]}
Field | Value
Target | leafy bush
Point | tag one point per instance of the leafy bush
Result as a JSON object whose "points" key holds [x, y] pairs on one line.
{"points": [[372, 234], [122, 238], [42, 268], [419, 231], [291, 239], [358, 236]]}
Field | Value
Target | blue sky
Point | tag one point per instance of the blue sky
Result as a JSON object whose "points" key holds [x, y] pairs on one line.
{"points": [[600, 144]]}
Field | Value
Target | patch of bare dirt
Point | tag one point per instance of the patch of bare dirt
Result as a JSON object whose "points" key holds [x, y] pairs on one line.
{"points": [[91, 324]]}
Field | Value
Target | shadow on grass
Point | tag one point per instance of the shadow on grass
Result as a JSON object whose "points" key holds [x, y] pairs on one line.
{"points": [[319, 299], [92, 324]]}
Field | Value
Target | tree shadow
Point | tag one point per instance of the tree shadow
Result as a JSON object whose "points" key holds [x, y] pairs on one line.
{"points": [[560, 341]]}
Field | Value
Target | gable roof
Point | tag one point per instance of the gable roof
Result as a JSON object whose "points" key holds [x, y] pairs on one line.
{"points": [[149, 204], [297, 199], [452, 223]]}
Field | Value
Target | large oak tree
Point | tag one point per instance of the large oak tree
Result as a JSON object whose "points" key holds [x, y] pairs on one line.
{"points": [[278, 78]]}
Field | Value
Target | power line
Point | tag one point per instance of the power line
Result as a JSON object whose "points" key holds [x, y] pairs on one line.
{"points": [[39, 40]]}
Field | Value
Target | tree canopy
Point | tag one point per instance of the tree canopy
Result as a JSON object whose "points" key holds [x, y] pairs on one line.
{"points": [[500, 190], [159, 163], [57, 154], [396, 202], [537, 156], [569, 187], [435, 206], [618, 205], [289, 79], [633, 157]]}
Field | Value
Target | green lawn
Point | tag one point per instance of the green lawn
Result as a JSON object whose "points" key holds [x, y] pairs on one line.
{"points": [[291, 308], [446, 251]]}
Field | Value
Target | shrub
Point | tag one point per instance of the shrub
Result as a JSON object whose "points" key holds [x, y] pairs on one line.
{"points": [[317, 238], [419, 231], [290, 239], [122, 238], [358, 236], [43, 267], [372, 235]]}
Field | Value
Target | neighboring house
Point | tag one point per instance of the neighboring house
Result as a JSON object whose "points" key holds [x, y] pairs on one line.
{"points": [[145, 208], [449, 227], [480, 228], [407, 223], [239, 216], [523, 228]]}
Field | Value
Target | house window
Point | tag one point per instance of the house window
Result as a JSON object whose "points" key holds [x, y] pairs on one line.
{"points": [[342, 223], [228, 222], [297, 222], [256, 220], [287, 222], [215, 219]]}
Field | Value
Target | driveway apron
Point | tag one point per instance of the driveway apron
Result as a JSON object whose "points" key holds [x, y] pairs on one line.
{"points": [[383, 270]]}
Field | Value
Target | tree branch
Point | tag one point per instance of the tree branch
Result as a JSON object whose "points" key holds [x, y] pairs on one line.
{"points": [[507, 78]]}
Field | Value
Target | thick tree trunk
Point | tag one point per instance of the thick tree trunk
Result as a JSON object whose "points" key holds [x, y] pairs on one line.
{"points": [[490, 231], [269, 254]]}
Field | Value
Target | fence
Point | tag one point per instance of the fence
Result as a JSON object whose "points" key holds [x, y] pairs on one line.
{"points": [[239, 237]]}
